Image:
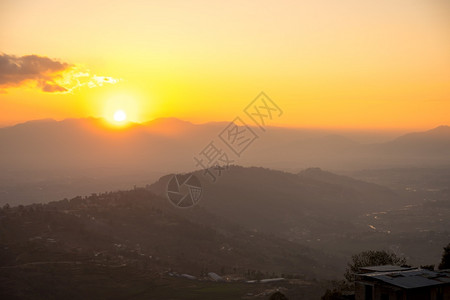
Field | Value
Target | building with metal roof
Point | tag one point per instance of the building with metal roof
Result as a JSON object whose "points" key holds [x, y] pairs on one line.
{"points": [[398, 283], [384, 268]]}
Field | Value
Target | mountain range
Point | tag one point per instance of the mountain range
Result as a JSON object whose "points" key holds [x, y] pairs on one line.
{"points": [[134, 244], [169, 143], [251, 223], [48, 159], [325, 211]]}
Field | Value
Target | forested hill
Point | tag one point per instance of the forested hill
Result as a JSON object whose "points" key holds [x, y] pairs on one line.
{"points": [[142, 232]]}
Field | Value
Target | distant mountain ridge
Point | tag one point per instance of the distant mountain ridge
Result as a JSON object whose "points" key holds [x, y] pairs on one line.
{"points": [[139, 229], [281, 203], [326, 211], [89, 149]]}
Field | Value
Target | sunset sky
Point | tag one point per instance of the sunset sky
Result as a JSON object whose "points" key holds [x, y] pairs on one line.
{"points": [[326, 63]]}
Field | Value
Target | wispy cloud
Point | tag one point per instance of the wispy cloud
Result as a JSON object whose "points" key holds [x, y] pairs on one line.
{"points": [[48, 75]]}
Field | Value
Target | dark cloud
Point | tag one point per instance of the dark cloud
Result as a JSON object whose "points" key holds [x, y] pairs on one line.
{"points": [[43, 71]]}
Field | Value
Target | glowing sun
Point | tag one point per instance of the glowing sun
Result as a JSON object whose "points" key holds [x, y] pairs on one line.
{"points": [[120, 116]]}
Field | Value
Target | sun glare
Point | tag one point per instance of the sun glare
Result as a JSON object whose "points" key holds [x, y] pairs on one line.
{"points": [[121, 109], [120, 116]]}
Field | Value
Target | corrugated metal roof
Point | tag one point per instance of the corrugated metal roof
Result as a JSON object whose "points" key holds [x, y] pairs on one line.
{"points": [[410, 279], [385, 268]]}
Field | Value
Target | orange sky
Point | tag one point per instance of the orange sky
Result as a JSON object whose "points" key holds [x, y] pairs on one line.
{"points": [[326, 63]]}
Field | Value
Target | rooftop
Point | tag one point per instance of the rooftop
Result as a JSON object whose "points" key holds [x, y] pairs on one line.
{"points": [[385, 268], [410, 278]]}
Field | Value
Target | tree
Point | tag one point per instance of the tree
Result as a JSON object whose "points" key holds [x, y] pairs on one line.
{"points": [[371, 258], [427, 267], [445, 262], [332, 295], [278, 296]]}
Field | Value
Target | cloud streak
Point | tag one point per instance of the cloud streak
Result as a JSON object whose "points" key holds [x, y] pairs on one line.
{"points": [[46, 74]]}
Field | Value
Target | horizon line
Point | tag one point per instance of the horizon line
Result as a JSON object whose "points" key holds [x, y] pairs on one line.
{"points": [[277, 126]]}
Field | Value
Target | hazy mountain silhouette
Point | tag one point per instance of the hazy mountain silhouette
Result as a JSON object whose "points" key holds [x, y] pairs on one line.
{"points": [[431, 143], [135, 234], [252, 223], [57, 159], [284, 203], [326, 211], [168, 142]]}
